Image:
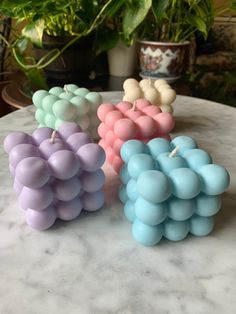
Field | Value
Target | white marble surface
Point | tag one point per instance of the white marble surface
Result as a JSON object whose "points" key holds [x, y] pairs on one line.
{"points": [[93, 266]]}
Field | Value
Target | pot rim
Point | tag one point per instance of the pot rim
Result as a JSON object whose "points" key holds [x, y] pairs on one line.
{"points": [[164, 43]]}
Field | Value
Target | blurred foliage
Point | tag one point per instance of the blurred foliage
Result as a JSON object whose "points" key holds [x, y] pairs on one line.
{"points": [[218, 86]]}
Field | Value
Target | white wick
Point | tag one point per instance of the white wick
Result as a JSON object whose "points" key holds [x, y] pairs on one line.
{"points": [[174, 152], [134, 106], [66, 89], [53, 136]]}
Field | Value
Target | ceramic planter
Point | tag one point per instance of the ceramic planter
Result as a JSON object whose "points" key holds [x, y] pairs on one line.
{"points": [[122, 60], [73, 65], [163, 59]]}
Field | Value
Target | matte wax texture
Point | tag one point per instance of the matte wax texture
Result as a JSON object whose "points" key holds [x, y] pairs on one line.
{"points": [[125, 121], [158, 92], [56, 174], [68, 104], [170, 189]]}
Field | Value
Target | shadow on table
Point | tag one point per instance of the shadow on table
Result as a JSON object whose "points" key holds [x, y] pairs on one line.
{"points": [[192, 121], [227, 215]]}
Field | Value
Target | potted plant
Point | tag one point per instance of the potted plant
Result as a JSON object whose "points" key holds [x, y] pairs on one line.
{"points": [[117, 35], [166, 32], [55, 26]]}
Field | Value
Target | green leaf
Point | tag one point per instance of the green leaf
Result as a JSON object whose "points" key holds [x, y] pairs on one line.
{"points": [[159, 7], [22, 44], [114, 7], [134, 14], [37, 78], [199, 23], [34, 32], [106, 39]]}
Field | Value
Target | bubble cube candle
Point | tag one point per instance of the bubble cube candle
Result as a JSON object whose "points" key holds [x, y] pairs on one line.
{"points": [[126, 121], [56, 174], [170, 189], [158, 92], [68, 104]]}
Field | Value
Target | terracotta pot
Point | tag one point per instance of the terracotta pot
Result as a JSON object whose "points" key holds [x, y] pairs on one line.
{"points": [[163, 59]]}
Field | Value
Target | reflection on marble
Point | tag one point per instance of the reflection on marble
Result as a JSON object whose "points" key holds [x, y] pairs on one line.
{"points": [[93, 266]]}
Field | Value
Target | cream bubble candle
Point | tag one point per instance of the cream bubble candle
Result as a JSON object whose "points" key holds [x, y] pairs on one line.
{"points": [[170, 189], [56, 174], [158, 92], [126, 121], [68, 104]]}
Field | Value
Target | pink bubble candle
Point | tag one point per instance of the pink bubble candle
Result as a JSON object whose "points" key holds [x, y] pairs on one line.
{"points": [[125, 121], [56, 174]]}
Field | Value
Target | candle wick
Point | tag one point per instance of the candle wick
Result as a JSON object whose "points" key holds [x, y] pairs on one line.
{"points": [[174, 152], [66, 89], [149, 81], [134, 106], [53, 136]]}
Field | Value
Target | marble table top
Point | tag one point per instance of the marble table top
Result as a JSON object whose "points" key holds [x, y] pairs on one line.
{"points": [[92, 265]]}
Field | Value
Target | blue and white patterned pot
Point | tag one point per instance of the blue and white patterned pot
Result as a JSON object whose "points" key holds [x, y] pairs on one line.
{"points": [[163, 59]]}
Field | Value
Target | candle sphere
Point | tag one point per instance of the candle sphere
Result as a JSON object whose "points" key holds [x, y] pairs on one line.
{"points": [[93, 201], [67, 129], [56, 90], [48, 147], [129, 211], [81, 103], [139, 163], [77, 140], [207, 205], [41, 220], [69, 210], [150, 213], [69, 161], [38, 175], [145, 234], [66, 190], [81, 91], [37, 199], [167, 163], [214, 178], [196, 158], [123, 195], [157, 146], [184, 143], [131, 148], [124, 174], [48, 101], [92, 181], [91, 157], [22, 151], [125, 129], [153, 186], [41, 134], [132, 191], [201, 226], [176, 230], [185, 183], [179, 209], [38, 97]]}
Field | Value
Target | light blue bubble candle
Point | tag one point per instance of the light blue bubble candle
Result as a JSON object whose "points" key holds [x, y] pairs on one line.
{"points": [[68, 104], [170, 189]]}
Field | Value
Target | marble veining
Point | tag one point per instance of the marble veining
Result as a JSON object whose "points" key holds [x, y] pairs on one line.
{"points": [[92, 265]]}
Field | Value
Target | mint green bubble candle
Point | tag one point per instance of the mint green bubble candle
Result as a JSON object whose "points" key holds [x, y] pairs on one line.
{"points": [[68, 104]]}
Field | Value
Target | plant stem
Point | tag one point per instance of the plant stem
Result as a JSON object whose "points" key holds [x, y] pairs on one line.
{"points": [[41, 66]]}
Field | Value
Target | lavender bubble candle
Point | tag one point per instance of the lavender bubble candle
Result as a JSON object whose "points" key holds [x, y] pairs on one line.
{"points": [[56, 174]]}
